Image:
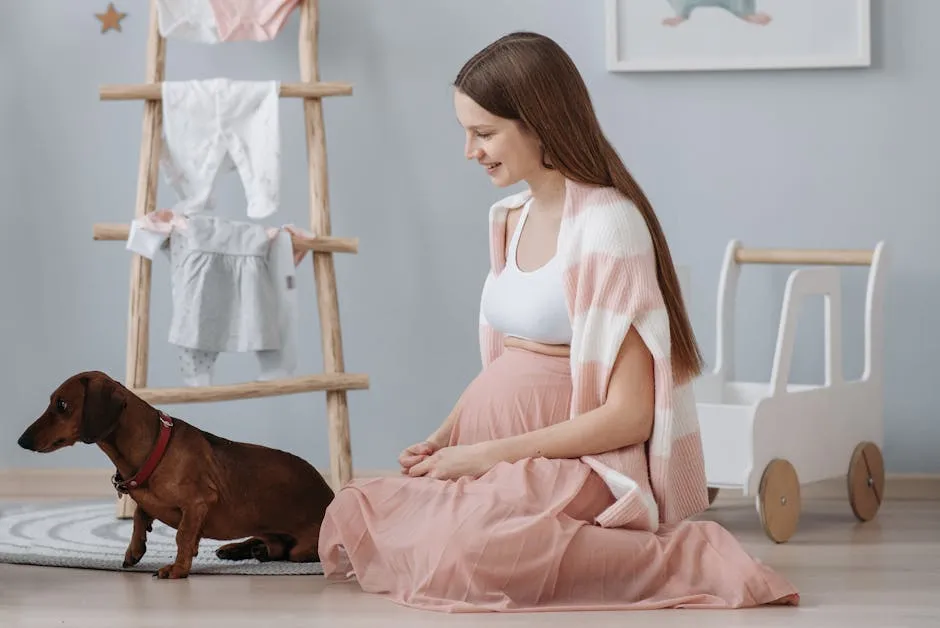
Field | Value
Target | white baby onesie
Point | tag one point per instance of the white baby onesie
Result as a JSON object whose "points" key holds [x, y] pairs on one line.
{"points": [[234, 289], [190, 20], [214, 124]]}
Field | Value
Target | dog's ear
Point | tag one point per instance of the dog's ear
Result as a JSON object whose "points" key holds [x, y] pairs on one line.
{"points": [[101, 409]]}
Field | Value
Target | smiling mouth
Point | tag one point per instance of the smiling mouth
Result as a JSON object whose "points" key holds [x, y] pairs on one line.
{"points": [[493, 166]]}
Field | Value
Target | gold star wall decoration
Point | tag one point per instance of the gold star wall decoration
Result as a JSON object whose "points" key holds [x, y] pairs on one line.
{"points": [[110, 19]]}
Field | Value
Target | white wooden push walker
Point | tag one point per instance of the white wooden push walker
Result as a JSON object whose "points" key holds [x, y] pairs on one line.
{"points": [[769, 438]]}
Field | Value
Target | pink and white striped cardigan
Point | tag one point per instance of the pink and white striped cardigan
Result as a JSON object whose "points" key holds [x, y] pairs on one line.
{"points": [[611, 284]]}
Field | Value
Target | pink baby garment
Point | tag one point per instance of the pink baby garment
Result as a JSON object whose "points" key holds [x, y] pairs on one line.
{"points": [[216, 21], [251, 20]]}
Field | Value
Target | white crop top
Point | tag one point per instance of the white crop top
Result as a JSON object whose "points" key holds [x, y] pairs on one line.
{"points": [[529, 305]]}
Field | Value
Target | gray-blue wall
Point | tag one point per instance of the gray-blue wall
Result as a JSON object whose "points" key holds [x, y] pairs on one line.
{"points": [[767, 157]]}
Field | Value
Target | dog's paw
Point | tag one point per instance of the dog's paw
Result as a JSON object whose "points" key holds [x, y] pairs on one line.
{"points": [[133, 555], [229, 553], [171, 572], [238, 551], [260, 553]]}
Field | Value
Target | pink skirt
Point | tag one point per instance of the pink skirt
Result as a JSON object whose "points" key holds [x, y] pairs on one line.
{"points": [[521, 537]]}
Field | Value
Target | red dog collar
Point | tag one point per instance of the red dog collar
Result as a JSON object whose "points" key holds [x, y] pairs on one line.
{"points": [[121, 485]]}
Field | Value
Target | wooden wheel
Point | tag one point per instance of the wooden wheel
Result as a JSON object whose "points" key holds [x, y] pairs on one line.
{"points": [[712, 494], [778, 500], [866, 480]]}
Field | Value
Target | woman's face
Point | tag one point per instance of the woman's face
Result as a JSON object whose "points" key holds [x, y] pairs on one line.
{"points": [[507, 153]]}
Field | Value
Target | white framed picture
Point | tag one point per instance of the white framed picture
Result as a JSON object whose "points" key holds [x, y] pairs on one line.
{"points": [[673, 35]]}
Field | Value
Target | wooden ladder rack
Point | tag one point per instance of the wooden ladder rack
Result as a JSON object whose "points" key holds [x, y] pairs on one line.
{"points": [[334, 381]]}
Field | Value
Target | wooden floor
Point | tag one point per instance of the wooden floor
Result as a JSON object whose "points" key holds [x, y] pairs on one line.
{"points": [[883, 573]]}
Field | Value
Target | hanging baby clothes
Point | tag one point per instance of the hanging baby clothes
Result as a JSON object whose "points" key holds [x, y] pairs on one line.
{"points": [[216, 21], [233, 287], [218, 124]]}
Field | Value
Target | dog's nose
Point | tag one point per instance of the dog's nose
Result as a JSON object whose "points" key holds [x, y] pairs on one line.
{"points": [[25, 441]]}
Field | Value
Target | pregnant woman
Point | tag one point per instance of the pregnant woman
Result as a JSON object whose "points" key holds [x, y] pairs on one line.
{"points": [[566, 474]]}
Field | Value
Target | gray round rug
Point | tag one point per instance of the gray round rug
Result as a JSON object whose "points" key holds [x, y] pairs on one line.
{"points": [[88, 535]]}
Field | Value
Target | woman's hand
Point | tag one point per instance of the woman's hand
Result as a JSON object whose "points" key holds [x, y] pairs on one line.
{"points": [[416, 453], [450, 463]]}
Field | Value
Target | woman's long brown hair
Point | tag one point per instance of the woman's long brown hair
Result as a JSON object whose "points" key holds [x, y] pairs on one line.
{"points": [[529, 78]]}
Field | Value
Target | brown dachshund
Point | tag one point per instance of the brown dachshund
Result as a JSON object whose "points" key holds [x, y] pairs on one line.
{"points": [[200, 484]]}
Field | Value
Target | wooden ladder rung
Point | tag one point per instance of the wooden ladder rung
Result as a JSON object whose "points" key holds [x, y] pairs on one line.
{"points": [[320, 244], [253, 390], [154, 91]]}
